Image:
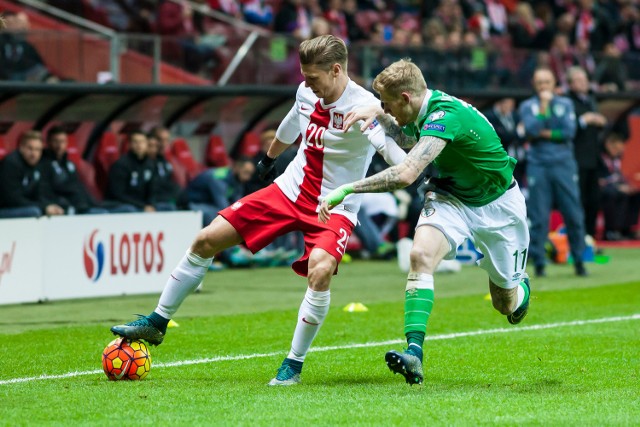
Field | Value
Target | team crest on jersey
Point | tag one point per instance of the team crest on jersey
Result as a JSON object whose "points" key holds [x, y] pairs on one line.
{"points": [[427, 212], [373, 124], [559, 110], [338, 120], [236, 206], [436, 115]]}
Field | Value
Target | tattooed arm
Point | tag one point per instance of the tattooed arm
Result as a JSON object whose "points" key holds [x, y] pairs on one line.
{"points": [[371, 112], [393, 178], [394, 131]]}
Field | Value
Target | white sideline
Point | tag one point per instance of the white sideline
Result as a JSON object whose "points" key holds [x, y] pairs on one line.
{"points": [[342, 347]]}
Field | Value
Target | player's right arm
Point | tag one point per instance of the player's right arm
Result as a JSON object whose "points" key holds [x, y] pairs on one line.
{"points": [[374, 112]]}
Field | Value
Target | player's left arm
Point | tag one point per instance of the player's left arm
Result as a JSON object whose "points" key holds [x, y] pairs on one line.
{"points": [[393, 178]]}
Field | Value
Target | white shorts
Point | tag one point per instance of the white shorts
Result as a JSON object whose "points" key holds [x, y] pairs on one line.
{"points": [[498, 230]]}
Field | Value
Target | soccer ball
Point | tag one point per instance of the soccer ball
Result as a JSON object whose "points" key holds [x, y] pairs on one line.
{"points": [[126, 360]]}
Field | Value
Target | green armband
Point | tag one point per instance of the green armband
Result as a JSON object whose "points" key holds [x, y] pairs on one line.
{"points": [[336, 197]]}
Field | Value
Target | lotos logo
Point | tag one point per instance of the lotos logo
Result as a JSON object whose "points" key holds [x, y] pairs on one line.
{"points": [[7, 260], [93, 257], [128, 253]]}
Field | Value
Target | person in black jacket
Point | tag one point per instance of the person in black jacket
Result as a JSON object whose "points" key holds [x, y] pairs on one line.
{"points": [[166, 189], [63, 178], [504, 118], [586, 144], [131, 176], [23, 191]]}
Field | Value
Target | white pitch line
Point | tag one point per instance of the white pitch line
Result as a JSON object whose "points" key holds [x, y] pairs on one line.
{"points": [[343, 347]]}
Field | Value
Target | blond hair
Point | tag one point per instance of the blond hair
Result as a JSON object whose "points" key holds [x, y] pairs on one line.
{"points": [[401, 76], [3, 24], [29, 136], [323, 52]]}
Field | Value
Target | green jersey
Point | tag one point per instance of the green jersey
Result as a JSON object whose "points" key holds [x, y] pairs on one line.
{"points": [[475, 167]]}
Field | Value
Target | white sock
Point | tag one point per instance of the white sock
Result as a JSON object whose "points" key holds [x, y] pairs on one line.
{"points": [[313, 310], [184, 279], [520, 294]]}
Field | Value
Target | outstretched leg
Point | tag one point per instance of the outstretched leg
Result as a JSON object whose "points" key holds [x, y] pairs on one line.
{"points": [[184, 279]]}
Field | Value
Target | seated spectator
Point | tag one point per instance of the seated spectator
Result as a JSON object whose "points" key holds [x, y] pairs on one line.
{"points": [[131, 178], [23, 191], [611, 72], [62, 175], [620, 200], [19, 60], [217, 188], [165, 187]]}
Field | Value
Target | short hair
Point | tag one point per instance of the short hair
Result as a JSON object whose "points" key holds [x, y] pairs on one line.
{"points": [[155, 131], [401, 76], [30, 135], [136, 132], [576, 69], [323, 52], [55, 130]]}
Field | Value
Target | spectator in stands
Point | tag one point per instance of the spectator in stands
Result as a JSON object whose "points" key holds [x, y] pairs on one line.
{"points": [[19, 59], [527, 31], [611, 73], [504, 117], [176, 20], [594, 24], [131, 176], [620, 199], [217, 188], [23, 190], [589, 125], [166, 188], [549, 124], [3, 25], [257, 12], [294, 18], [62, 175]]}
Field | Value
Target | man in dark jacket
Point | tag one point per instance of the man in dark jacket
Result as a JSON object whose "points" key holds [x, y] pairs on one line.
{"points": [[23, 190], [586, 144], [130, 177], [62, 175], [166, 189]]}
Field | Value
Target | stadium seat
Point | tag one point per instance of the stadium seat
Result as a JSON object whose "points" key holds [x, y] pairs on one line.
{"points": [[3, 148], [216, 155], [73, 152], [87, 175], [182, 154], [250, 145], [107, 153]]}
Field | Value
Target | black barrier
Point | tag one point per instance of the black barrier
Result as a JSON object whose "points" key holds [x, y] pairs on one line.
{"points": [[229, 111]]}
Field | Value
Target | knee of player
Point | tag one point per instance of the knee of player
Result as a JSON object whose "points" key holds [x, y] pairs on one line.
{"points": [[422, 259], [202, 244]]}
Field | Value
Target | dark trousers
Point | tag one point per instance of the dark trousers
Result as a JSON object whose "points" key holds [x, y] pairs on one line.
{"points": [[554, 185], [590, 197]]}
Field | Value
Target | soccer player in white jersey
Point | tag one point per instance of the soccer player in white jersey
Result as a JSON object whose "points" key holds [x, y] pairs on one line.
{"points": [[474, 197], [328, 157]]}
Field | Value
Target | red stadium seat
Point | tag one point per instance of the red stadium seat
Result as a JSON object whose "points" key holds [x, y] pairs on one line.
{"points": [[107, 153], [73, 152], [3, 148], [182, 154], [87, 175], [250, 145], [216, 155]]}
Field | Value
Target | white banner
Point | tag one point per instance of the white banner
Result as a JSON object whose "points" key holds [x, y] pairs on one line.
{"points": [[91, 255], [20, 260]]}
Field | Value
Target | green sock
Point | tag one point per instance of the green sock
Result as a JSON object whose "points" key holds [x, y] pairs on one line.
{"points": [[418, 302]]}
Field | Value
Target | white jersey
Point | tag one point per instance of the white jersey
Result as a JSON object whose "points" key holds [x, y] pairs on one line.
{"points": [[329, 157]]}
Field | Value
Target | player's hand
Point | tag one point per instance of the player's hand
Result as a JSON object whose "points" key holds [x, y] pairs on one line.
{"points": [[332, 200], [266, 169], [368, 114]]}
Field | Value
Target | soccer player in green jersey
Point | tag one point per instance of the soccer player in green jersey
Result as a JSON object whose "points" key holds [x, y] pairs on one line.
{"points": [[474, 197]]}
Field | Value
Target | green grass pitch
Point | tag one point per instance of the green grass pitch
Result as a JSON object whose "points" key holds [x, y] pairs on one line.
{"points": [[574, 361]]}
